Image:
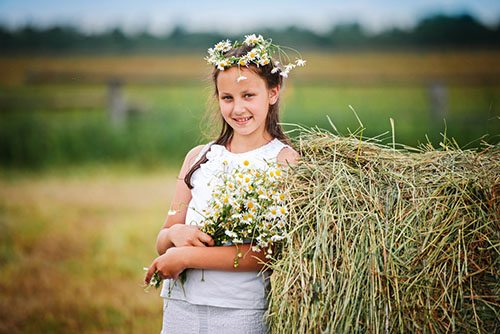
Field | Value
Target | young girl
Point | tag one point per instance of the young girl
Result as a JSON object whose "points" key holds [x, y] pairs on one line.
{"points": [[216, 297]]}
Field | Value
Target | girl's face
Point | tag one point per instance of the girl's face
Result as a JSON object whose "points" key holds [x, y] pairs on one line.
{"points": [[245, 104]]}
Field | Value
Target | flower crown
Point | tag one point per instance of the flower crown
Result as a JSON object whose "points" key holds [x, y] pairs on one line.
{"points": [[260, 55]]}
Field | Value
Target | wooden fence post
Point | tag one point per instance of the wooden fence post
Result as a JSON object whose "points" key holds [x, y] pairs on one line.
{"points": [[438, 95], [116, 103]]}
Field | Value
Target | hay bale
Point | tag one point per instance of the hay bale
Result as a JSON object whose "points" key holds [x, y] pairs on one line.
{"points": [[387, 241]]}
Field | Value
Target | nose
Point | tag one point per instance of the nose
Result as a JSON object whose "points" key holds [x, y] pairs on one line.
{"points": [[239, 106]]}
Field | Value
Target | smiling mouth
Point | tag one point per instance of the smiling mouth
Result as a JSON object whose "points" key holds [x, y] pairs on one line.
{"points": [[242, 120]]}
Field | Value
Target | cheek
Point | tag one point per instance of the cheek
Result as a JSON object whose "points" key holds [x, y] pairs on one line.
{"points": [[224, 110]]}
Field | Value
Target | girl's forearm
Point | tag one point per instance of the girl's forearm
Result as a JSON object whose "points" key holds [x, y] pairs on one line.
{"points": [[163, 242], [222, 258]]}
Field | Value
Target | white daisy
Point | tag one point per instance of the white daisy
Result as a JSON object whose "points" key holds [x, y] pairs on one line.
{"points": [[250, 40], [227, 46], [231, 234], [222, 46], [276, 238], [264, 59], [300, 62], [244, 61], [252, 54], [221, 65], [211, 60]]}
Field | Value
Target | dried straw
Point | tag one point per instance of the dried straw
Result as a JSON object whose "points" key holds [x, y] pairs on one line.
{"points": [[388, 240]]}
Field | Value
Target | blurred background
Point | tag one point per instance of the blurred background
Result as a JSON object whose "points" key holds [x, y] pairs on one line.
{"points": [[100, 101]]}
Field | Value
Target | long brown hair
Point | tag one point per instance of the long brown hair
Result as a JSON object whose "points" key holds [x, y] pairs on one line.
{"points": [[273, 128]]}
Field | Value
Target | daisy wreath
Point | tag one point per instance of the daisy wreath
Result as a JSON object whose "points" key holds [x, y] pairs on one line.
{"points": [[260, 55]]}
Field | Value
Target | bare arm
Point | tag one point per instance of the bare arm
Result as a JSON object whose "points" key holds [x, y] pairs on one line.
{"points": [[174, 231], [176, 259], [288, 157]]}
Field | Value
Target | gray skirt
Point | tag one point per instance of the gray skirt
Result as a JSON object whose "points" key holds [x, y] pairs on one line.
{"points": [[181, 317]]}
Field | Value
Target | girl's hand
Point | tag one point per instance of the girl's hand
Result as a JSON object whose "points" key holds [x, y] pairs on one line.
{"points": [[182, 235], [168, 265]]}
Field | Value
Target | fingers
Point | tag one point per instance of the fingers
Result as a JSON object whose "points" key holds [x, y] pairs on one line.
{"points": [[206, 239], [150, 272], [197, 243], [200, 239]]}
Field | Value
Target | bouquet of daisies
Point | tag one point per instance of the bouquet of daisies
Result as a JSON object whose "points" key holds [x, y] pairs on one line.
{"points": [[247, 206]]}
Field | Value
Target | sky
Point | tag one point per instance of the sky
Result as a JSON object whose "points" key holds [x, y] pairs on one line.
{"points": [[161, 16]]}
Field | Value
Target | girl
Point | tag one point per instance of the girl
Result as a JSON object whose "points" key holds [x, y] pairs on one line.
{"points": [[216, 297]]}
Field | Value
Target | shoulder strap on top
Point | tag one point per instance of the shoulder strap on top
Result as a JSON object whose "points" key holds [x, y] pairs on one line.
{"points": [[202, 152], [274, 148]]}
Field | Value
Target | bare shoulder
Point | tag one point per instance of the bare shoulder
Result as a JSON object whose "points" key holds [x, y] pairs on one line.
{"points": [[190, 159], [288, 156]]}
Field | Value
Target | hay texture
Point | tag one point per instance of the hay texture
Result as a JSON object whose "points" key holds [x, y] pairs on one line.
{"points": [[389, 241]]}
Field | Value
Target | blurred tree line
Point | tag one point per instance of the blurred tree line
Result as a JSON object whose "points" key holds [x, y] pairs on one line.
{"points": [[434, 32]]}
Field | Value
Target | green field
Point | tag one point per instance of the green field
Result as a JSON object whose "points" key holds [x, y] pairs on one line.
{"points": [[53, 112], [81, 200]]}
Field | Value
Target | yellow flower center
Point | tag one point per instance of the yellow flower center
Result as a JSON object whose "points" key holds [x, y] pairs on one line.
{"points": [[250, 205], [282, 210], [246, 162], [273, 212]]}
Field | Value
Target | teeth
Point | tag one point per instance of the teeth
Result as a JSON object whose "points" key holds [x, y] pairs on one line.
{"points": [[243, 119]]}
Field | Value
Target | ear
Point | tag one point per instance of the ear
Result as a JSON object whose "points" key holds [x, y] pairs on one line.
{"points": [[274, 93]]}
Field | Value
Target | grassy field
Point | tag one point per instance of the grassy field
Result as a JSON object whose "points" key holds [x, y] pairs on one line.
{"points": [[53, 111], [74, 236], [72, 249]]}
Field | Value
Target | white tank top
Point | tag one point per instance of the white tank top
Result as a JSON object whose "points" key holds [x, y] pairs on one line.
{"points": [[245, 290]]}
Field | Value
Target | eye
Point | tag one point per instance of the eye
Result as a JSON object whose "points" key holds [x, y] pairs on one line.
{"points": [[247, 95], [227, 98]]}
